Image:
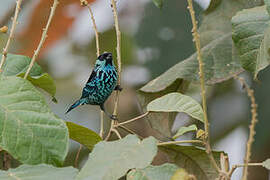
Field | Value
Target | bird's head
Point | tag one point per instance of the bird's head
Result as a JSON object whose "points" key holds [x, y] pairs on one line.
{"points": [[105, 59]]}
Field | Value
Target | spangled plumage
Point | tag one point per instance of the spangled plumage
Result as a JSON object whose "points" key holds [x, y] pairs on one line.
{"points": [[101, 83]]}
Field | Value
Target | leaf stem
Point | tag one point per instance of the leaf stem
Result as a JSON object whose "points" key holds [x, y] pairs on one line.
{"points": [[242, 165], [254, 120], [133, 119], [43, 38], [180, 142], [202, 83], [11, 34]]}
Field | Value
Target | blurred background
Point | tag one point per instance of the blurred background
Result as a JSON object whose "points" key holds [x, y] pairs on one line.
{"points": [[152, 41]]}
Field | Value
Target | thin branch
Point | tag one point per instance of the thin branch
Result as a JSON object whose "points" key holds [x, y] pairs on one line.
{"points": [[129, 131], [43, 38], [11, 35], [118, 50], [234, 167], [6, 18], [77, 156], [101, 132], [180, 142], [85, 3], [254, 120], [202, 83], [117, 133], [133, 119]]}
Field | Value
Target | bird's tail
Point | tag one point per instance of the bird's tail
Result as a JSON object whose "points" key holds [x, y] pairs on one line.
{"points": [[76, 104]]}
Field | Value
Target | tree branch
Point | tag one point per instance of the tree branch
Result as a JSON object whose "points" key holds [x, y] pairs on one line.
{"points": [[202, 83], [43, 38], [11, 34]]}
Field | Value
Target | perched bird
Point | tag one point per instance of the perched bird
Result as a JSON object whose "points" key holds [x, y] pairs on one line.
{"points": [[100, 85]]}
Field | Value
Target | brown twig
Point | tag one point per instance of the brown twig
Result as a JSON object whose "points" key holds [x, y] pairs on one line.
{"points": [[11, 34], [180, 142], [133, 119], [118, 50], [6, 18], [43, 38], [85, 3], [234, 167], [129, 131], [77, 156], [202, 83], [254, 120]]}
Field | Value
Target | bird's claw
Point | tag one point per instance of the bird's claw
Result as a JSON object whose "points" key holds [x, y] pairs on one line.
{"points": [[118, 88], [114, 117]]}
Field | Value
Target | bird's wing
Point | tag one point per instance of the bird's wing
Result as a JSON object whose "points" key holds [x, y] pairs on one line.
{"points": [[92, 76]]}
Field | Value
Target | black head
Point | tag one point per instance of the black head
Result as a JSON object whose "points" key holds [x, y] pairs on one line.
{"points": [[106, 57]]}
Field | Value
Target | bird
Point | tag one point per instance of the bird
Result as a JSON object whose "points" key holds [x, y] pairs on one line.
{"points": [[101, 83]]}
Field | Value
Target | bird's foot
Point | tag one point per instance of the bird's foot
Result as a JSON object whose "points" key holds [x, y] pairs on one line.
{"points": [[114, 117], [118, 88]]}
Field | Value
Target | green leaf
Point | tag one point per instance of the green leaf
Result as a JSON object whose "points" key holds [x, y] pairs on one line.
{"points": [[112, 160], [158, 3], [184, 130], [161, 122], [177, 102], [194, 160], [220, 64], [251, 37], [163, 172], [16, 65], [83, 135], [266, 164], [30, 132], [39, 172]]}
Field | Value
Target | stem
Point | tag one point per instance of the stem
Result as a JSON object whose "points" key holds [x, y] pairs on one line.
{"points": [[11, 35], [252, 131], [133, 119], [202, 83], [85, 3], [101, 132], [95, 29], [242, 165], [129, 130], [77, 156], [43, 38], [118, 50], [117, 133], [180, 142]]}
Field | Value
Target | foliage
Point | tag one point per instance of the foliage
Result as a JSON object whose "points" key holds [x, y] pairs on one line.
{"points": [[234, 36], [30, 132]]}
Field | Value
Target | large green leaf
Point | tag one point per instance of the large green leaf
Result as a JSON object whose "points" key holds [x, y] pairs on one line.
{"points": [[30, 132], [161, 122], [16, 65], [194, 160], [251, 37], [163, 172], [177, 102], [39, 172], [83, 135], [112, 160], [220, 63]]}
